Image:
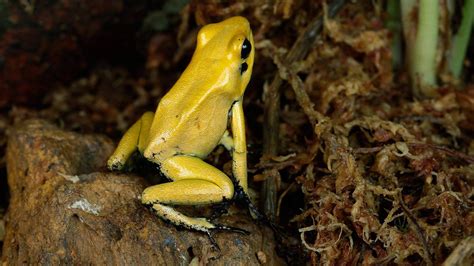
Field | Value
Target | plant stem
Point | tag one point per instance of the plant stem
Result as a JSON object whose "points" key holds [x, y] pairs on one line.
{"points": [[393, 24], [423, 64], [461, 39]]}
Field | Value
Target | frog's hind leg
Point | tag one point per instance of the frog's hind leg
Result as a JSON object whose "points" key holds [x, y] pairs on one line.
{"points": [[194, 182], [135, 138]]}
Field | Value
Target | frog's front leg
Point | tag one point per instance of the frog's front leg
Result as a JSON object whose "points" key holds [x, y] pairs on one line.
{"points": [[135, 138], [194, 182], [239, 151]]}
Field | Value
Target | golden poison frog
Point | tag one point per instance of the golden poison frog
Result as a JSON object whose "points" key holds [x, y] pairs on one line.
{"points": [[191, 120]]}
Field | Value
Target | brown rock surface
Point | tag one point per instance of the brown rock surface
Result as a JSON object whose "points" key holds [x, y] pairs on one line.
{"points": [[61, 211]]}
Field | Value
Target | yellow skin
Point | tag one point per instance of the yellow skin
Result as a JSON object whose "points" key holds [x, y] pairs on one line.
{"points": [[191, 120]]}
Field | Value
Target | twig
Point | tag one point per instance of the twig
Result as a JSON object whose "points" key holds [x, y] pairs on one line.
{"points": [[461, 253], [467, 158], [418, 230], [272, 102], [368, 150], [302, 96], [453, 153], [280, 200]]}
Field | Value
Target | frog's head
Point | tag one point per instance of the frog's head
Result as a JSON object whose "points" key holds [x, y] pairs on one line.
{"points": [[229, 46]]}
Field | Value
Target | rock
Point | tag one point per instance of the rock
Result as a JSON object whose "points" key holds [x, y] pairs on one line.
{"points": [[67, 208]]}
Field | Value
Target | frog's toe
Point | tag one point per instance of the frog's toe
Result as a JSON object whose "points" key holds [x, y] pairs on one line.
{"points": [[114, 164], [116, 167], [221, 227], [213, 241]]}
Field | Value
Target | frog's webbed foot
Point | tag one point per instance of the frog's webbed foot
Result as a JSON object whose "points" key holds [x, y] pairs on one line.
{"points": [[173, 216], [244, 198], [198, 224]]}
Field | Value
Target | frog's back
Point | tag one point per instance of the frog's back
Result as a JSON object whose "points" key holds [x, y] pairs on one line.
{"points": [[190, 119]]}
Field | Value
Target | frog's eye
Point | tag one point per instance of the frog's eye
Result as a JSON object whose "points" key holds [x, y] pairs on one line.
{"points": [[246, 48]]}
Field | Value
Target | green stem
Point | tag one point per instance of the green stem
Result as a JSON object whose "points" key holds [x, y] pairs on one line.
{"points": [[393, 24], [461, 39], [424, 57]]}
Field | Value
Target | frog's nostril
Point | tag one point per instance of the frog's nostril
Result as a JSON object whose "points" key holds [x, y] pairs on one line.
{"points": [[243, 68]]}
